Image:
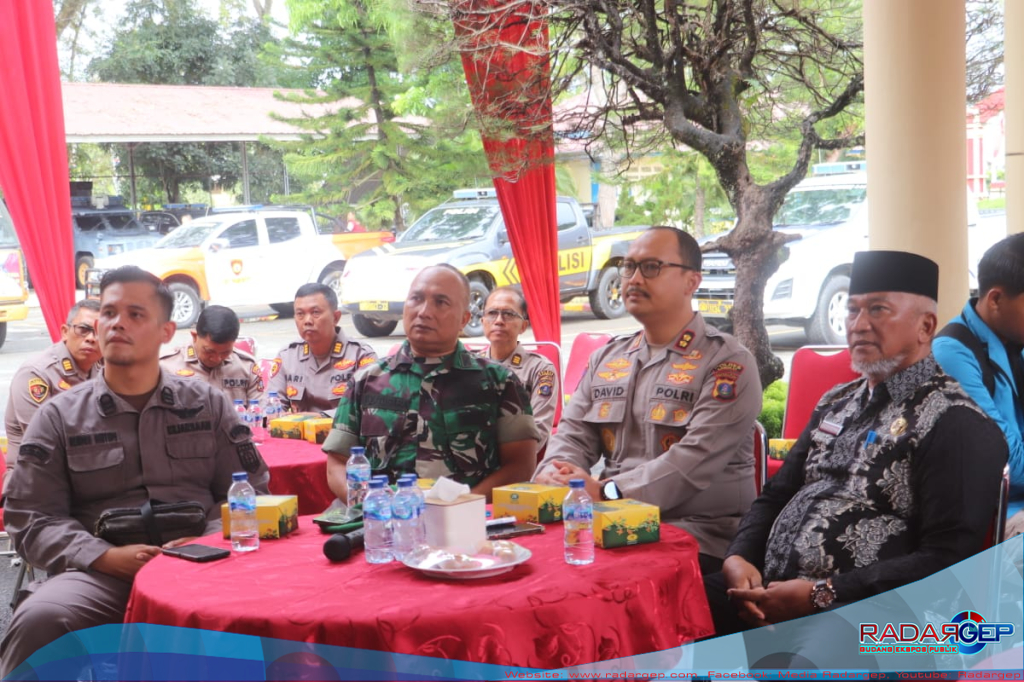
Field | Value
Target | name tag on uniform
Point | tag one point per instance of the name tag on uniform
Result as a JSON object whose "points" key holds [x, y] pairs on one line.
{"points": [[830, 428]]}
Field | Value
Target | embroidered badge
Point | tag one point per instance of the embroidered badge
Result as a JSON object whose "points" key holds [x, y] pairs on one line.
{"points": [[291, 392], [693, 355], [668, 441], [726, 374], [608, 440], [679, 378], [249, 457], [344, 363], [107, 405], [63, 385], [167, 395], [191, 353], [604, 410], [366, 361], [898, 427], [658, 412], [239, 431], [617, 363], [680, 415], [305, 349], [275, 367], [613, 375], [831, 428], [67, 366], [256, 370], [38, 389], [340, 390], [185, 373], [684, 366], [545, 382], [337, 348], [517, 360], [684, 341], [636, 341], [33, 451]]}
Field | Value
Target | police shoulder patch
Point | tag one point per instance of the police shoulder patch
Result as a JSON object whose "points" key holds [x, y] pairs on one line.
{"points": [[167, 395], [240, 431], [33, 451], [38, 390], [107, 405], [249, 457], [366, 360]]}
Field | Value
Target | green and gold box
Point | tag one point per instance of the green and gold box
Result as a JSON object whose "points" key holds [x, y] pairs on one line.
{"points": [[315, 430], [618, 523], [290, 425], [529, 502], [278, 515]]}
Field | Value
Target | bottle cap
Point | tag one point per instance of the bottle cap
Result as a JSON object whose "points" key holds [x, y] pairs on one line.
{"points": [[239, 476], [577, 483], [356, 450], [239, 401], [412, 476], [376, 484], [272, 394], [406, 482]]}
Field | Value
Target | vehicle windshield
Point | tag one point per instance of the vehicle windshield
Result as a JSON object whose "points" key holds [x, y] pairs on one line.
{"points": [[825, 206], [193, 234], [8, 237], [452, 222]]}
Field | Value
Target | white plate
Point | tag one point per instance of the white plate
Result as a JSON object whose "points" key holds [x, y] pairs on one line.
{"points": [[439, 563]]}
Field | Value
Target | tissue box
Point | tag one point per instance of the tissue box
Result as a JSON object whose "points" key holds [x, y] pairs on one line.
{"points": [[315, 430], [290, 425], [459, 525], [618, 523], [278, 515], [529, 502]]}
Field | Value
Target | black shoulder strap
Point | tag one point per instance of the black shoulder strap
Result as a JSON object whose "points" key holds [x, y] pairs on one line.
{"points": [[959, 331]]}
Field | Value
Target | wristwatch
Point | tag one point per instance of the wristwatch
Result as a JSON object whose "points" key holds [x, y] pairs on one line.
{"points": [[610, 491], [823, 595]]}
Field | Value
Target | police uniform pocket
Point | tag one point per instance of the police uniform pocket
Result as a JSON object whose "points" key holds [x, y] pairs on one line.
{"points": [[93, 472], [605, 411], [667, 413], [192, 458]]}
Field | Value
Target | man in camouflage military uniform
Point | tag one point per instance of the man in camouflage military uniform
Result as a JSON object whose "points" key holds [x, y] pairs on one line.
{"points": [[69, 362], [133, 434], [433, 407], [212, 356], [504, 319], [312, 374], [671, 408]]}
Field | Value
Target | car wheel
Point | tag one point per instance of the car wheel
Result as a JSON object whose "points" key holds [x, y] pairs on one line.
{"points": [[82, 264], [284, 310], [828, 326], [371, 328], [606, 300], [478, 293], [187, 305], [331, 277]]}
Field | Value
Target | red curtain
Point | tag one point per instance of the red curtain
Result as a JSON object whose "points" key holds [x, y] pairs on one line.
{"points": [[33, 154], [505, 56]]}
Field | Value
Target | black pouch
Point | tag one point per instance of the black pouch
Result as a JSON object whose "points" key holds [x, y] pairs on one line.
{"points": [[154, 523]]}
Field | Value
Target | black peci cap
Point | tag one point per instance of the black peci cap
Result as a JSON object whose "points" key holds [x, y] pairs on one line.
{"points": [[875, 271]]}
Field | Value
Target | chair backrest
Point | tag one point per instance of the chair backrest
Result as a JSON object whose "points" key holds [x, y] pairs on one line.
{"points": [[997, 530], [583, 347], [246, 344], [814, 370], [553, 352], [760, 457]]}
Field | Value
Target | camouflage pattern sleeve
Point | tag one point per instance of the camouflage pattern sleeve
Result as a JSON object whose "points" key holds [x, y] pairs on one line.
{"points": [[515, 415]]}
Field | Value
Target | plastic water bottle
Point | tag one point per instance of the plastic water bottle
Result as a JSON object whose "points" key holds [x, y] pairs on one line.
{"points": [[245, 527], [377, 524], [255, 421], [243, 414], [578, 519], [421, 503], [357, 473], [272, 409], [406, 521]]}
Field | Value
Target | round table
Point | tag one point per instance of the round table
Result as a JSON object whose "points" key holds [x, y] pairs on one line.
{"points": [[298, 467], [542, 614]]}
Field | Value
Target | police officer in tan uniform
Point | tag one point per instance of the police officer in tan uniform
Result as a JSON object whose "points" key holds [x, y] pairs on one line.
{"points": [[504, 319], [212, 356], [671, 408], [135, 433], [311, 375], [66, 363]]}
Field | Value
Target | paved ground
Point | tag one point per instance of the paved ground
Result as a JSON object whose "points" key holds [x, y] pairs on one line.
{"points": [[25, 339]]}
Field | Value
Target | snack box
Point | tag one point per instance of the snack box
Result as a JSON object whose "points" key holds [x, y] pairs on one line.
{"points": [[531, 502], [778, 448], [315, 430], [290, 425], [278, 515], [618, 523]]}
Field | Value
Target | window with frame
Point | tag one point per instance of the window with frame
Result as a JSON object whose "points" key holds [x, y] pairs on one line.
{"points": [[283, 229]]}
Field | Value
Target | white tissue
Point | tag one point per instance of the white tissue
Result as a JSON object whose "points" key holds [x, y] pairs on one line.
{"points": [[446, 490]]}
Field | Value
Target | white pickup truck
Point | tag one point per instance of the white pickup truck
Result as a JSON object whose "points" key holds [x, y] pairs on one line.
{"points": [[257, 257], [810, 288]]}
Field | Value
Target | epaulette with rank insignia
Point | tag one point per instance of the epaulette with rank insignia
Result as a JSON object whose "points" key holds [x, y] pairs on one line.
{"points": [[191, 352], [338, 345], [67, 366]]}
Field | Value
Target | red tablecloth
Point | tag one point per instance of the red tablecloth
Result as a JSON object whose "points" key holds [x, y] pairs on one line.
{"points": [[298, 467], [542, 614]]}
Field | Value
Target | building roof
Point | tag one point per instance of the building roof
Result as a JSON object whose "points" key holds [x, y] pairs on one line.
{"points": [[114, 112]]}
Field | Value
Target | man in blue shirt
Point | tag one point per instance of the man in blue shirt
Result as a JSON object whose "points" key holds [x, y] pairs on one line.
{"points": [[982, 349]]}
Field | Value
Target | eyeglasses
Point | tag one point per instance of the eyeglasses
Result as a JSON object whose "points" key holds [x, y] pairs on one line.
{"points": [[83, 330], [648, 268], [494, 314]]}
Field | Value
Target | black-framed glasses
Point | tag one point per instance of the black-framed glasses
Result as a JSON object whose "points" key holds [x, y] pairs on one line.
{"points": [[495, 313], [648, 268], [83, 330]]}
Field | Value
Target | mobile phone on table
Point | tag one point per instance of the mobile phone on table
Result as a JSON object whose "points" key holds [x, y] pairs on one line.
{"points": [[506, 532], [200, 553]]}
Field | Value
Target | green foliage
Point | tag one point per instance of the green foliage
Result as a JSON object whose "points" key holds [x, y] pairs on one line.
{"points": [[773, 408]]}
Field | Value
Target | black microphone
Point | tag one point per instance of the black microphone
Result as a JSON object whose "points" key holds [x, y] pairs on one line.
{"points": [[341, 545]]}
